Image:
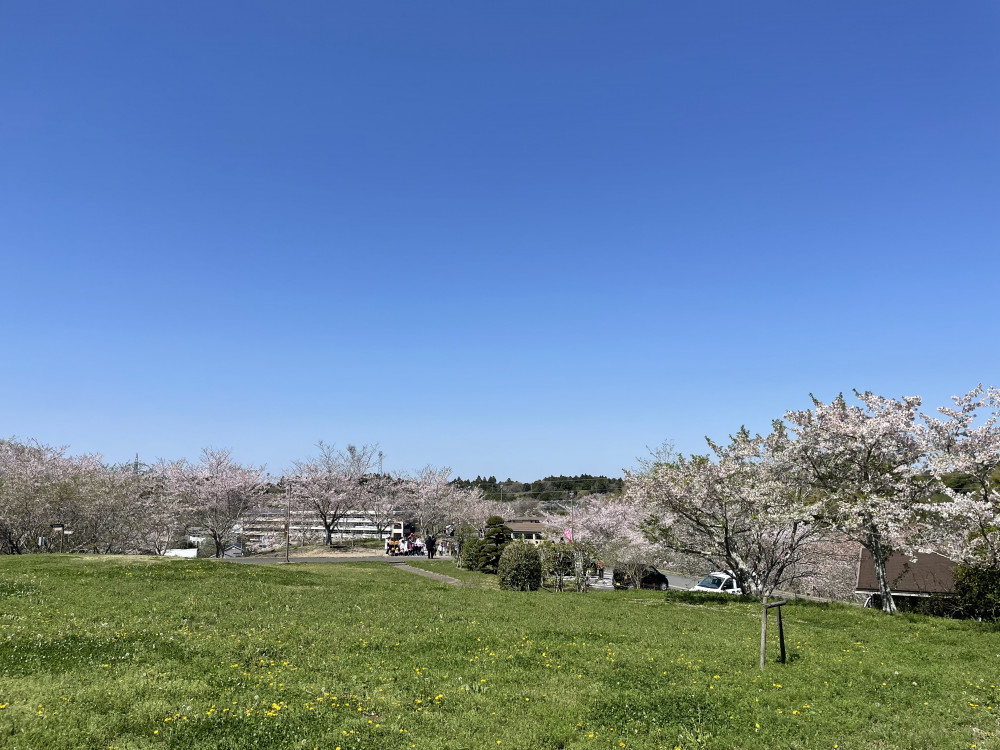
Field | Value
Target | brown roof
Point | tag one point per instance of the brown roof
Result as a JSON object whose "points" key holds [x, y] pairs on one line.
{"points": [[930, 574], [526, 526]]}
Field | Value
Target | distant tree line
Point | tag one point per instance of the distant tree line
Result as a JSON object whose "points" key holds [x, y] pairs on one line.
{"points": [[773, 509], [53, 501], [549, 490]]}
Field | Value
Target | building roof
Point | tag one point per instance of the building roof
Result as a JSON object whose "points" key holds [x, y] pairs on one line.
{"points": [[930, 574], [526, 526]]}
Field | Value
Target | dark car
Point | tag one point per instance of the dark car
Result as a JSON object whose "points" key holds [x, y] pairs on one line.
{"points": [[651, 579]]}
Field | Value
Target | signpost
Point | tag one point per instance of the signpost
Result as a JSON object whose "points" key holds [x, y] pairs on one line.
{"points": [[60, 529], [763, 629]]}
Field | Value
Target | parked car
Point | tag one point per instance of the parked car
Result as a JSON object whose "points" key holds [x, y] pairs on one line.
{"points": [[718, 582], [651, 579]]}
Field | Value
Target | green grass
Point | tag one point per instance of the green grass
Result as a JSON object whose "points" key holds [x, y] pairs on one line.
{"points": [[447, 567], [150, 653]]}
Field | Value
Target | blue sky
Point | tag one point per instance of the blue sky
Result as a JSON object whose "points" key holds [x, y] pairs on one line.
{"points": [[510, 238]]}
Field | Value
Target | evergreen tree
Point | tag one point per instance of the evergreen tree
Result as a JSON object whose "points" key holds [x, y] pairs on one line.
{"points": [[490, 548]]}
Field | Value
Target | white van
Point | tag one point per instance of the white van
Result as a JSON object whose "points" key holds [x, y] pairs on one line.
{"points": [[718, 582]]}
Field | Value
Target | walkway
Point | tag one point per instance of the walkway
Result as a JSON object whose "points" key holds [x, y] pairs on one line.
{"points": [[426, 573], [396, 562]]}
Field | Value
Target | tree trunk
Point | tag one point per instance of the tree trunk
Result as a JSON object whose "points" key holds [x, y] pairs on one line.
{"points": [[880, 555]]}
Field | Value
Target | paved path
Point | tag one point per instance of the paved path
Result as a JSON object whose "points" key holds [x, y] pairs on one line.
{"points": [[427, 573], [272, 560], [677, 582], [397, 562]]}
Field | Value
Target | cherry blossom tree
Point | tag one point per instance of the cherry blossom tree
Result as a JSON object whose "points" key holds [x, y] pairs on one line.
{"points": [[165, 523], [433, 502], [36, 490], [609, 528], [105, 513], [385, 495], [865, 463], [216, 494], [472, 507], [326, 485], [468, 512], [368, 490], [107, 508], [740, 509], [964, 454]]}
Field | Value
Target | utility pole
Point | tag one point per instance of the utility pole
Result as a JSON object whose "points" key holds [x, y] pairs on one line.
{"points": [[379, 484], [288, 517]]}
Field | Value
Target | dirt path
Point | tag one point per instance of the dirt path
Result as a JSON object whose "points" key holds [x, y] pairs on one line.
{"points": [[427, 573], [325, 553], [393, 561]]}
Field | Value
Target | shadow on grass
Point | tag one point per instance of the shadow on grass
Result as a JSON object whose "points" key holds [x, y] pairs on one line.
{"points": [[699, 597]]}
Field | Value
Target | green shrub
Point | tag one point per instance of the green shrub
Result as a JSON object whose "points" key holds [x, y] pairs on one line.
{"points": [[495, 538], [520, 567], [462, 535], [470, 553], [979, 591]]}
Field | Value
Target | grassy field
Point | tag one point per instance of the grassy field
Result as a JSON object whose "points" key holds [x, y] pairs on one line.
{"points": [[152, 653]]}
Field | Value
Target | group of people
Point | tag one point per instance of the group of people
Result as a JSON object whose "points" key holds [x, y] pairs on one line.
{"points": [[413, 545]]}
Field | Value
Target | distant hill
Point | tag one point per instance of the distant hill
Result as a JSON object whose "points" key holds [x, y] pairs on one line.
{"points": [[551, 489]]}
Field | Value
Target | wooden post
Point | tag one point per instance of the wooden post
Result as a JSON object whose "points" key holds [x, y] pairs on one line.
{"points": [[781, 637], [763, 631]]}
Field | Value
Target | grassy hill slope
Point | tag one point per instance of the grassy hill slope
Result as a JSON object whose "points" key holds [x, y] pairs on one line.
{"points": [[152, 653]]}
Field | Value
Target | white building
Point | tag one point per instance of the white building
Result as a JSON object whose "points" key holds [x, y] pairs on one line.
{"points": [[306, 526]]}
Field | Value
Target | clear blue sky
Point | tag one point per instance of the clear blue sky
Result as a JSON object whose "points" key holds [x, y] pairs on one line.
{"points": [[510, 238]]}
